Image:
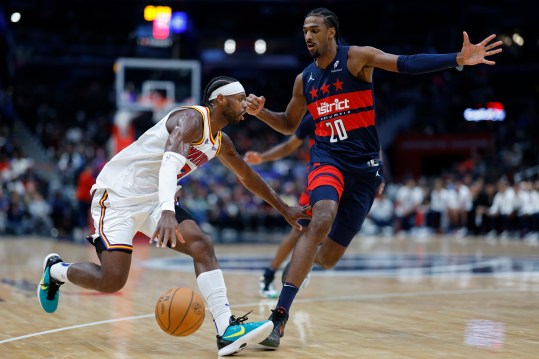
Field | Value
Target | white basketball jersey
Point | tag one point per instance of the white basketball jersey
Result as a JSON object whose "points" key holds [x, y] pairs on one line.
{"points": [[132, 176]]}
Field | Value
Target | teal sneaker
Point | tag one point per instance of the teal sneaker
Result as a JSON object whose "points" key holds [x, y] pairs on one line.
{"points": [[48, 288], [239, 335]]}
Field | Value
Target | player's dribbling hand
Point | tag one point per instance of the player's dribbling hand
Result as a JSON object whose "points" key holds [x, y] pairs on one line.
{"points": [[167, 231], [294, 214], [252, 157], [255, 104]]}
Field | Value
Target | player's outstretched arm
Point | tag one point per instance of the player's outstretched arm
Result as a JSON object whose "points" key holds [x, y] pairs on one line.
{"points": [[470, 54]]}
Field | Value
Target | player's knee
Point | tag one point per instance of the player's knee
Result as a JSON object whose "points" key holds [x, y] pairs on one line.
{"points": [[326, 258], [113, 282], [321, 225], [326, 264], [325, 261], [201, 246]]}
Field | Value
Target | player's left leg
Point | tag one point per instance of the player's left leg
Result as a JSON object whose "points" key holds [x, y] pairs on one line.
{"points": [[233, 333], [353, 209]]}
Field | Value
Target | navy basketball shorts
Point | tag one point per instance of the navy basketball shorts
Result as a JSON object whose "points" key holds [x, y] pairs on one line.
{"points": [[354, 192]]}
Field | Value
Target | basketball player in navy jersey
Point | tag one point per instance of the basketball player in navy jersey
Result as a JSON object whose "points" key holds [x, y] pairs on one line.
{"points": [[345, 169], [306, 129], [135, 191]]}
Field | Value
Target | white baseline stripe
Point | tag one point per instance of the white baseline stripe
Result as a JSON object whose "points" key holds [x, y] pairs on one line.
{"points": [[76, 327], [358, 297]]}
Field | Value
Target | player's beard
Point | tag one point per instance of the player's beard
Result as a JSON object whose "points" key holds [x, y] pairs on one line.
{"points": [[231, 117]]}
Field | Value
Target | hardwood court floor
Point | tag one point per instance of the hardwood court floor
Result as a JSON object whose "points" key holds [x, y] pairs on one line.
{"points": [[388, 298]]}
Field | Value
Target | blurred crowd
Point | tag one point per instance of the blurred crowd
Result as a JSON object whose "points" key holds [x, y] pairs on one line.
{"points": [[457, 203], [460, 206]]}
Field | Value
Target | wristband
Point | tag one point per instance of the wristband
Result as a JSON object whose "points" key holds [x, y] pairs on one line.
{"points": [[171, 165], [422, 63]]}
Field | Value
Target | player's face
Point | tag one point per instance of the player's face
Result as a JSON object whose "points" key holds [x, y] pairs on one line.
{"points": [[315, 33], [235, 108]]}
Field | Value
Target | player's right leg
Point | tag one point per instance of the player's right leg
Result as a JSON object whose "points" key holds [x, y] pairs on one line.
{"points": [[113, 242]]}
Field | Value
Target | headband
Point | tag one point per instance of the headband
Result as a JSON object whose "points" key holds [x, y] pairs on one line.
{"points": [[227, 90]]}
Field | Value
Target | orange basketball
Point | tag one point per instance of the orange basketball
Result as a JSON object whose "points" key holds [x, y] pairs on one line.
{"points": [[180, 311]]}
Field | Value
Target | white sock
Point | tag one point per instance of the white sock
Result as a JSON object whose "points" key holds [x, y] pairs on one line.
{"points": [[212, 286], [59, 271]]}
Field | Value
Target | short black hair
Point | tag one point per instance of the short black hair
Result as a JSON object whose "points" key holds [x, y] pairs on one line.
{"points": [[330, 19], [213, 85]]}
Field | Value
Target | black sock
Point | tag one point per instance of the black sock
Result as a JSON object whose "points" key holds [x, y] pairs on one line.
{"points": [[269, 274], [288, 293]]}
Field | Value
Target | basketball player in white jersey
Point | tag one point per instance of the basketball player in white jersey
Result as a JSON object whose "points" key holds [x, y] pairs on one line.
{"points": [[136, 190]]}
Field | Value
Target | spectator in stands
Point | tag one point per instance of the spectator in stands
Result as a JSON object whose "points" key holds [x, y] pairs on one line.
{"points": [[502, 209], [409, 197], [382, 214], [39, 214], [459, 201], [437, 209], [17, 215]]}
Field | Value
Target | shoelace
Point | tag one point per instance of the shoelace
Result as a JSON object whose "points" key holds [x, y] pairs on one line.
{"points": [[53, 289], [279, 313], [239, 320]]}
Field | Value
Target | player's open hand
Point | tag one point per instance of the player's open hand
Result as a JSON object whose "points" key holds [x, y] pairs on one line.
{"points": [[167, 233], [476, 54], [252, 157], [255, 104]]}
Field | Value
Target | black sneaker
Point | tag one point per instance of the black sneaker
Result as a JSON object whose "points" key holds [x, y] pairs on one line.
{"points": [[239, 335], [48, 288], [279, 317]]}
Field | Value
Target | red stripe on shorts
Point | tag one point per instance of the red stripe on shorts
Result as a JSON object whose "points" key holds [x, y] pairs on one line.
{"points": [[326, 176]]}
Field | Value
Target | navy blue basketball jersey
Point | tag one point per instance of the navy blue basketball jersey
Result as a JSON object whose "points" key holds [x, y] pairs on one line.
{"points": [[342, 107], [306, 127]]}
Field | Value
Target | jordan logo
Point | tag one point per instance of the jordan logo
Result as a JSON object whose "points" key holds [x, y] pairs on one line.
{"points": [[311, 78], [378, 172]]}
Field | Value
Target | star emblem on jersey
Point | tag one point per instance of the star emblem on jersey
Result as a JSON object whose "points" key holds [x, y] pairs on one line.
{"points": [[314, 92], [325, 88], [338, 85]]}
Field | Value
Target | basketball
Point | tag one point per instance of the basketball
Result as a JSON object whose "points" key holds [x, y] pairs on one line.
{"points": [[180, 311]]}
